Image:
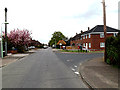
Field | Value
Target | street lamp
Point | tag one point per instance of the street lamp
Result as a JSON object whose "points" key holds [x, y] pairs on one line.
{"points": [[6, 31], [1, 43], [2, 40]]}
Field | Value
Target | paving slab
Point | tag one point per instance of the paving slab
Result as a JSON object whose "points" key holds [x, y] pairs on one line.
{"points": [[11, 58], [97, 74]]}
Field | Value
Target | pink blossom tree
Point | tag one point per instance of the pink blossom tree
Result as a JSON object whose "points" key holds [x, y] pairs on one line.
{"points": [[20, 38]]}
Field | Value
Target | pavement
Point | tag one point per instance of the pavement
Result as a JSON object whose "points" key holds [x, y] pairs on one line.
{"points": [[97, 74], [10, 58]]}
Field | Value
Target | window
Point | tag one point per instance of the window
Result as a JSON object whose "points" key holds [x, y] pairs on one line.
{"points": [[83, 44], [89, 45], [115, 34], [86, 36], [102, 44], [89, 36], [83, 37], [102, 35]]}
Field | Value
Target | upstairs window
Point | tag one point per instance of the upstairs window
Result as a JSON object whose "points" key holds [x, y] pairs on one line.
{"points": [[89, 36], [83, 37], [86, 36], [102, 35]]}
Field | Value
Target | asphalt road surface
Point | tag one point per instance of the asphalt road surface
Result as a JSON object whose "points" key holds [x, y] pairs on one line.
{"points": [[44, 69], [73, 60]]}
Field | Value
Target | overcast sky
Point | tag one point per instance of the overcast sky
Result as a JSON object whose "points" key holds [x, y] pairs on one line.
{"points": [[44, 17]]}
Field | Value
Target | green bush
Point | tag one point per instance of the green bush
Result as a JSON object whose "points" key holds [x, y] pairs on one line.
{"points": [[113, 50], [108, 61]]}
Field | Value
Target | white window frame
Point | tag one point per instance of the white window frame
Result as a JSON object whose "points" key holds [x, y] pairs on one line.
{"points": [[83, 44], [86, 36], [89, 45], [115, 34], [102, 44], [101, 35], [89, 36], [81, 38]]}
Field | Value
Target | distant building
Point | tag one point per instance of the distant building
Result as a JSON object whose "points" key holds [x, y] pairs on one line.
{"points": [[62, 42], [93, 39]]}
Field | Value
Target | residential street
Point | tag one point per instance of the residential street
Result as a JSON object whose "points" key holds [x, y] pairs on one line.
{"points": [[40, 70], [60, 44], [45, 69]]}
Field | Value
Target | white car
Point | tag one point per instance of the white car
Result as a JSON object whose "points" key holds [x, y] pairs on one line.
{"points": [[31, 47], [45, 47]]}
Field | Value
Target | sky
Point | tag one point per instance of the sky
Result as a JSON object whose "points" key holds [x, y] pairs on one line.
{"points": [[44, 17]]}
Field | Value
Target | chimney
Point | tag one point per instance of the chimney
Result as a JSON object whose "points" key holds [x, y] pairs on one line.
{"points": [[88, 28], [81, 31]]}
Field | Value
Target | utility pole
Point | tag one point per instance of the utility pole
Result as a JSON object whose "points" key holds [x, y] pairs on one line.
{"points": [[5, 32], [104, 21]]}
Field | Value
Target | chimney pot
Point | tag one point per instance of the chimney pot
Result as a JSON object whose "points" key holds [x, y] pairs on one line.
{"points": [[88, 28]]}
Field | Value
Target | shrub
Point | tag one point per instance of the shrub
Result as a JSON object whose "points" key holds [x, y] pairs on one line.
{"points": [[113, 50]]}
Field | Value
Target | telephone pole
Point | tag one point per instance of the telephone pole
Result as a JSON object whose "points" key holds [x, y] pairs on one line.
{"points": [[104, 21]]}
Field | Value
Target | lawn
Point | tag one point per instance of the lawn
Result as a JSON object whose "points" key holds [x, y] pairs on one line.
{"points": [[83, 51]]}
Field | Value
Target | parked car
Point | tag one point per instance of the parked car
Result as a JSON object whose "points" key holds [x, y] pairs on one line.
{"points": [[45, 47], [31, 47]]}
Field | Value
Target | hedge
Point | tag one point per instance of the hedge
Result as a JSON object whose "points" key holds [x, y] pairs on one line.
{"points": [[113, 50]]}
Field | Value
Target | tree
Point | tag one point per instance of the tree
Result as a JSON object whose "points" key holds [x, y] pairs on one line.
{"points": [[36, 43], [56, 36], [20, 38]]}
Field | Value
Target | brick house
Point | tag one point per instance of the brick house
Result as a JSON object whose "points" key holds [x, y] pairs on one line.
{"points": [[93, 39]]}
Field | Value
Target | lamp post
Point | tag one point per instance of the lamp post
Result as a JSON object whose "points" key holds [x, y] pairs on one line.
{"points": [[1, 43], [6, 32], [2, 40]]}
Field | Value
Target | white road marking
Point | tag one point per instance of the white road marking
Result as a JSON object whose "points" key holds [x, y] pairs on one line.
{"points": [[68, 60], [73, 69], [75, 66], [76, 73]]}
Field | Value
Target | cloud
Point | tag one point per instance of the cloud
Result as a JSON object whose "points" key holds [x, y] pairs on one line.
{"points": [[44, 17], [92, 11]]}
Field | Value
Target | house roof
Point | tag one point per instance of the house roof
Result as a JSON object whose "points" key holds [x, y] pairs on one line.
{"points": [[61, 41], [96, 29], [100, 28], [77, 36]]}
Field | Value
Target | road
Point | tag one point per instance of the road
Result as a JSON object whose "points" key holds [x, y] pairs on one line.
{"points": [[73, 60], [43, 69]]}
